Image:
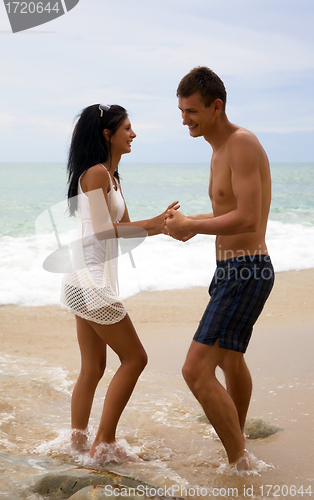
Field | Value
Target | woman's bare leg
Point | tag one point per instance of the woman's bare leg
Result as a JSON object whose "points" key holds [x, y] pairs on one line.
{"points": [[122, 338], [93, 363], [93, 338]]}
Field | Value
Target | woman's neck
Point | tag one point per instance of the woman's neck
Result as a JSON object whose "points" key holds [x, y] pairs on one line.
{"points": [[112, 163]]}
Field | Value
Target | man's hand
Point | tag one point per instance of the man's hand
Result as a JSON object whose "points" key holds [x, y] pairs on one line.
{"points": [[178, 226]]}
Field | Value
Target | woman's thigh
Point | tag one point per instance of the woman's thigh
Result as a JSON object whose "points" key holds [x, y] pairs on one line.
{"points": [[92, 347], [121, 337]]}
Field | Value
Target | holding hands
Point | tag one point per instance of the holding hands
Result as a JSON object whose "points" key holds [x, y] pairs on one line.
{"points": [[178, 226]]}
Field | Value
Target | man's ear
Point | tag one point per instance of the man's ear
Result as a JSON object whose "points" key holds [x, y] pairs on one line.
{"points": [[218, 104], [107, 134]]}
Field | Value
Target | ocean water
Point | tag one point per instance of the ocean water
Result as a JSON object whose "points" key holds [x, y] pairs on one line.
{"points": [[163, 425], [29, 190], [162, 422]]}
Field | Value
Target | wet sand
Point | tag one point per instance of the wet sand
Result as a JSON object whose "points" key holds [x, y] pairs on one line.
{"points": [[280, 357], [165, 322]]}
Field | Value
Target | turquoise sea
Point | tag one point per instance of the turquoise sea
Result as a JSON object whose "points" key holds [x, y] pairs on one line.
{"points": [[28, 190], [163, 421]]}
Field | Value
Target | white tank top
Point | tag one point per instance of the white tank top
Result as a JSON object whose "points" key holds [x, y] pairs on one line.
{"points": [[91, 289], [95, 249]]}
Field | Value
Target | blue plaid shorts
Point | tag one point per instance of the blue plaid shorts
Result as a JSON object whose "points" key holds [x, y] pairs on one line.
{"points": [[238, 292]]}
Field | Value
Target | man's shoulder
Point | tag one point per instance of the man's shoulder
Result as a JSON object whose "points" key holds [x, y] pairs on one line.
{"points": [[243, 141], [242, 136], [244, 151]]}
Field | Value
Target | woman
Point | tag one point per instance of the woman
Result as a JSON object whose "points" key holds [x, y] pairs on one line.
{"points": [[101, 136]]}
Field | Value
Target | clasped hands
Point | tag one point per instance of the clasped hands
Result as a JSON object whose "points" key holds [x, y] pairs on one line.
{"points": [[177, 225]]}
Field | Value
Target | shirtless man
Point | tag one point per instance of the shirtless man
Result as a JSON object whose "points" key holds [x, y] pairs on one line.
{"points": [[240, 192]]}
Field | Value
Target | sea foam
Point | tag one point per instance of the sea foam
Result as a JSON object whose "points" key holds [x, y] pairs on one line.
{"points": [[161, 263]]}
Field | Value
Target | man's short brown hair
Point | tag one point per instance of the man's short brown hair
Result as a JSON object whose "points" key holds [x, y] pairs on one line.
{"points": [[204, 81]]}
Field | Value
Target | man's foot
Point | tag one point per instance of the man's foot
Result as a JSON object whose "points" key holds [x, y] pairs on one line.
{"points": [[243, 463]]}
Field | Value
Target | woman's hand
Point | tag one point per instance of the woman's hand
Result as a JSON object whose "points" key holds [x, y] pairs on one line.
{"points": [[151, 226], [156, 224], [174, 206]]}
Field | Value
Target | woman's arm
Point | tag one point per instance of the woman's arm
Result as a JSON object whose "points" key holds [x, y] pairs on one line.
{"points": [[96, 184], [152, 226]]}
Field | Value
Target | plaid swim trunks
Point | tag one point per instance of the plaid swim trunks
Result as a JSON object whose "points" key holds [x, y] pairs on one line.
{"points": [[238, 292]]}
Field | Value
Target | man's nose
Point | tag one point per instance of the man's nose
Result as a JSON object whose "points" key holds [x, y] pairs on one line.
{"points": [[184, 119]]}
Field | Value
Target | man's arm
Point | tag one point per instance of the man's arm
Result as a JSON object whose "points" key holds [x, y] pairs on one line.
{"points": [[243, 160], [201, 216]]}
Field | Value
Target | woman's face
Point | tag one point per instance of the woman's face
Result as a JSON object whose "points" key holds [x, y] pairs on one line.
{"points": [[122, 138]]}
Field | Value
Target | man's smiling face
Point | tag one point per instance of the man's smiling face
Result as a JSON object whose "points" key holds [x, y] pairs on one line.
{"points": [[195, 115]]}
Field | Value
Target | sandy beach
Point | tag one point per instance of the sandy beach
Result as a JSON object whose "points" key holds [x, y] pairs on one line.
{"points": [[280, 357], [165, 322]]}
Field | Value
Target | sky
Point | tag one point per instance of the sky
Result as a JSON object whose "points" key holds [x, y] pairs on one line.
{"points": [[134, 53]]}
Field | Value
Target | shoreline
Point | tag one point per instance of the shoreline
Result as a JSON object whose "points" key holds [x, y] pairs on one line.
{"points": [[168, 316], [280, 359]]}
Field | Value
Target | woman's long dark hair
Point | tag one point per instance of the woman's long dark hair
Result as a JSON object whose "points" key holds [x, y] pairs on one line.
{"points": [[88, 145]]}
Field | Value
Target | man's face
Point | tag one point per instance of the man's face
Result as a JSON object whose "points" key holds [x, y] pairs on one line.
{"points": [[195, 115]]}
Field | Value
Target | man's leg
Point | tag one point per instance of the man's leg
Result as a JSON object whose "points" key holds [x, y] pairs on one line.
{"points": [[218, 405], [238, 382]]}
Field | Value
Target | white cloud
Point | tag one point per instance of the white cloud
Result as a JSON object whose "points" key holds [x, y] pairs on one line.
{"points": [[135, 54], [7, 120]]}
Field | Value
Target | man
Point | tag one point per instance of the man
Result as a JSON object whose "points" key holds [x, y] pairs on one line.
{"points": [[240, 192]]}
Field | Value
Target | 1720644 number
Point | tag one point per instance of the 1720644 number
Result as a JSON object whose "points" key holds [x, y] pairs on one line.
{"points": [[279, 491], [32, 7]]}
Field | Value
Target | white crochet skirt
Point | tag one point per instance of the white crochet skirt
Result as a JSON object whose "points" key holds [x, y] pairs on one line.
{"points": [[98, 302], [82, 296]]}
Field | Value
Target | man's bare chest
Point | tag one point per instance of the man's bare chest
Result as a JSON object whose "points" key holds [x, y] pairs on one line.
{"points": [[220, 186]]}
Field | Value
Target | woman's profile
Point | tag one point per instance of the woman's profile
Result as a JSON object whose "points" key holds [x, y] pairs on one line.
{"points": [[101, 136]]}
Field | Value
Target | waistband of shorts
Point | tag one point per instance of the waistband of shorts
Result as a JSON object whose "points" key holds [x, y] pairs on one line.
{"points": [[244, 259]]}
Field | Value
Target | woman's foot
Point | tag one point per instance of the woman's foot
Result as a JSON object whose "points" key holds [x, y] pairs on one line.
{"points": [[93, 449], [119, 452], [79, 440]]}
